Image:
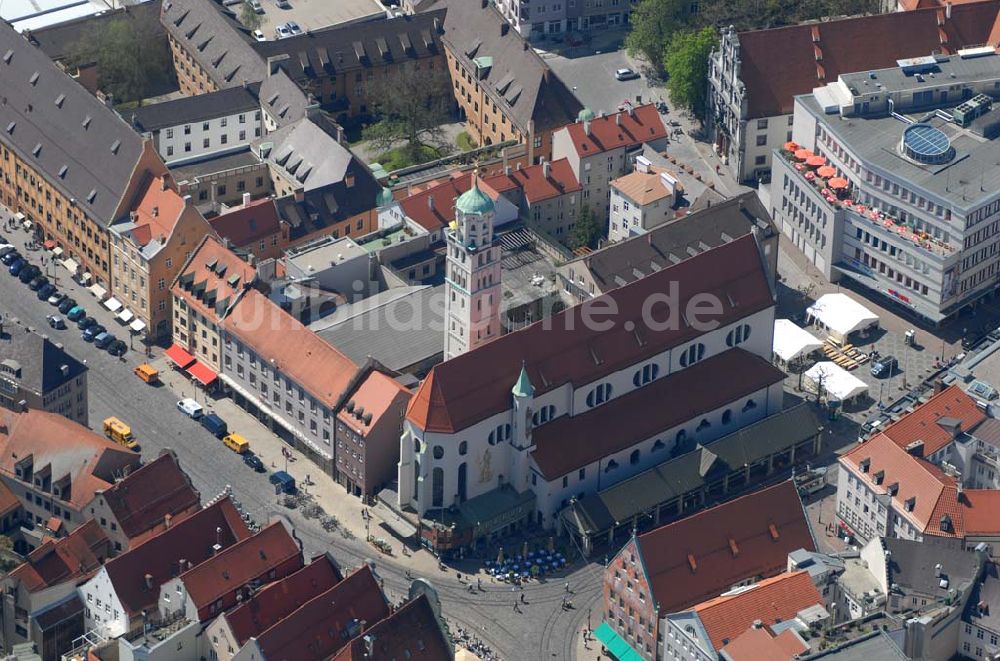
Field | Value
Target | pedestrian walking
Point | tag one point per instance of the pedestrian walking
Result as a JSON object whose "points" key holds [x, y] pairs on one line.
{"points": [[567, 588], [479, 584], [517, 609], [523, 600]]}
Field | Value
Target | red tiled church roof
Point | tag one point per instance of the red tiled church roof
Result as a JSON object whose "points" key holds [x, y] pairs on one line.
{"points": [[922, 424]]}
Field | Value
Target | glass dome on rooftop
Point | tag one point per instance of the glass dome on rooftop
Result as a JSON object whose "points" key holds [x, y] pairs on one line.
{"points": [[926, 144]]}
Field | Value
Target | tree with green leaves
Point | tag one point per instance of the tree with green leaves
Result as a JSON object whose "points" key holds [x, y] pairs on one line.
{"points": [[249, 17], [586, 232], [653, 24], [686, 61], [131, 55], [411, 108]]}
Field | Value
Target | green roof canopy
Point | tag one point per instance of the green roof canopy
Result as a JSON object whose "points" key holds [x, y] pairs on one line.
{"points": [[616, 644]]}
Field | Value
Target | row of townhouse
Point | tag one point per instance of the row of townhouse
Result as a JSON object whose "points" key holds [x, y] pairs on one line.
{"points": [[345, 417]]}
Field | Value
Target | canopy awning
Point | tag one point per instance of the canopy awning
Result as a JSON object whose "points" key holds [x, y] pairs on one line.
{"points": [[57, 251], [49, 244], [86, 277], [125, 316], [137, 325], [70, 265], [113, 304], [98, 291], [179, 355], [841, 314], [834, 380], [790, 341], [202, 372], [620, 649]]}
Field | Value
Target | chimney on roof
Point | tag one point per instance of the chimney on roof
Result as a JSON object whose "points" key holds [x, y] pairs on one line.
{"points": [[430, 202], [156, 212], [586, 127], [64, 369], [618, 119], [504, 28], [300, 195], [149, 581], [163, 183], [340, 134], [187, 201], [166, 520], [947, 10], [506, 170], [546, 169], [246, 199], [938, 569]]}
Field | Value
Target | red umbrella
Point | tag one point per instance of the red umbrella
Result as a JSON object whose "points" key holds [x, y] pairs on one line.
{"points": [[803, 154], [815, 161], [837, 182], [791, 145], [827, 171]]}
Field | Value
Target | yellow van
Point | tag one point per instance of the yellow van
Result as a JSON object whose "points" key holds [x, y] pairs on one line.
{"points": [[147, 373], [120, 433], [236, 443]]}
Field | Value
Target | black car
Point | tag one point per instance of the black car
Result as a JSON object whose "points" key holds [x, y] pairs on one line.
{"points": [[90, 332], [36, 283], [6, 250], [85, 323], [29, 273], [46, 290], [253, 461], [117, 348], [66, 305], [9, 258]]}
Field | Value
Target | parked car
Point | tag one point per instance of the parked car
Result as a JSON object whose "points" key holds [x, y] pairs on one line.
{"points": [[6, 250], [45, 291], [147, 373], [236, 443], [16, 267], [215, 425], [56, 322], [293, 27], [190, 408], [283, 4], [974, 337], [117, 348], [56, 298], [282, 481], [254, 462], [29, 273], [884, 366], [36, 283], [257, 6], [86, 322], [90, 332], [259, 36], [10, 258], [625, 74], [76, 313], [102, 340], [281, 32], [66, 305]]}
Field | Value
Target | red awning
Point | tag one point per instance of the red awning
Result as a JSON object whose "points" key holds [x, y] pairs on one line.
{"points": [[201, 372], [49, 244], [180, 357]]}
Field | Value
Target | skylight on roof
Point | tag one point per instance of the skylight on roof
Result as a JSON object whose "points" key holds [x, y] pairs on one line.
{"points": [[60, 99]]}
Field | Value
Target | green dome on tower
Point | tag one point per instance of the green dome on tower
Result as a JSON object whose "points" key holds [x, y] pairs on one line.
{"points": [[384, 198], [474, 201], [585, 115]]}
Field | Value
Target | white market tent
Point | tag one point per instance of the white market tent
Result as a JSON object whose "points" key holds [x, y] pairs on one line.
{"points": [[841, 315], [791, 342], [837, 383]]}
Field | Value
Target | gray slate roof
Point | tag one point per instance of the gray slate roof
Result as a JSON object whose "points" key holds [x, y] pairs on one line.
{"points": [[988, 592], [282, 98], [190, 109], [911, 566], [41, 361], [398, 327], [626, 261], [518, 80], [597, 512], [215, 39], [878, 645], [86, 150], [368, 44], [308, 151]]}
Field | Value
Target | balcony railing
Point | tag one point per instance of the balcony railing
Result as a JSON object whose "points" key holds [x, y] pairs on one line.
{"points": [[841, 199]]}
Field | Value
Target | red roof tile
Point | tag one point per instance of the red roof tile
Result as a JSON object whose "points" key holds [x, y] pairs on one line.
{"points": [[762, 645], [191, 540], [245, 561], [372, 397], [245, 226], [290, 347], [571, 442], [772, 600], [411, 632], [979, 512], [8, 501], [277, 600], [922, 423], [708, 538], [779, 63], [536, 187], [570, 348], [916, 479], [434, 207], [74, 558], [642, 125], [145, 497], [157, 212], [91, 461], [324, 624], [212, 283]]}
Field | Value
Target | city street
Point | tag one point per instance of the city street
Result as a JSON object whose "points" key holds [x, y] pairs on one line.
{"points": [[541, 630]]}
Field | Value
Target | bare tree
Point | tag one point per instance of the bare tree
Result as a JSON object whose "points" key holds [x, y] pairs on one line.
{"points": [[411, 106]]}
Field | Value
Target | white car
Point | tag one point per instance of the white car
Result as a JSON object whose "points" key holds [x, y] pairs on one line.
{"points": [[256, 6], [293, 27], [282, 32], [190, 408], [259, 36]]}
